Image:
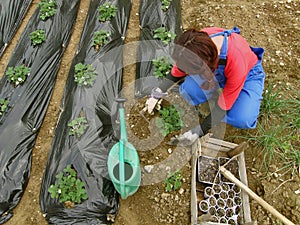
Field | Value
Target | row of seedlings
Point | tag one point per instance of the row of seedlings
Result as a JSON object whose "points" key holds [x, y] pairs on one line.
{"points": [[157, 38], [25, 92], [76, 187], [154, 63]]}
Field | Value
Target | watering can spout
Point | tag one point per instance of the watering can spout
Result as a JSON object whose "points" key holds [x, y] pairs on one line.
{"points": [[123, 161]]}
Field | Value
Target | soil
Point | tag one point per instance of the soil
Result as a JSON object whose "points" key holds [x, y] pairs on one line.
{"points": [[232, 166], [208, 170], [273, 25]]}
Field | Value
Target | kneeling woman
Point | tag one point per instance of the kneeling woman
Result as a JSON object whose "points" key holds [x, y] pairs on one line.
{"points": [[215, 58]]}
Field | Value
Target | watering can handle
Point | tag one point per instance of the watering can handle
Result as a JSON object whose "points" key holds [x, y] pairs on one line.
{"points": [[123, 135], [122, 142], [121, 101]]}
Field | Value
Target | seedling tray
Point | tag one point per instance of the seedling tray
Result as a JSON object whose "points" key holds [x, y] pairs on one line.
{"points": [[232, 166], [208, 170], [213, 148]]}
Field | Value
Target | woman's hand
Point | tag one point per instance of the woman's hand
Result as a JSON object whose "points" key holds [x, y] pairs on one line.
{"points": [[187, 138]]}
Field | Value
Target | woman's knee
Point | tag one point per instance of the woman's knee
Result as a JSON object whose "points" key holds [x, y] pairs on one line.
{"points": [[242, 120]]}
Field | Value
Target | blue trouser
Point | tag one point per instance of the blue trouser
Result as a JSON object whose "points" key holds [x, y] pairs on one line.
{"points": [[245, 110]]}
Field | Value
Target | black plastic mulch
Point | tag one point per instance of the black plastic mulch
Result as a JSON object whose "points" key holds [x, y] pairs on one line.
{"points": [[12, 13], [88, 154], [152, 17], [28, 102]]}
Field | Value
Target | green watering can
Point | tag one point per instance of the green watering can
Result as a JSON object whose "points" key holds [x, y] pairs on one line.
{"points": [[123, 161]]}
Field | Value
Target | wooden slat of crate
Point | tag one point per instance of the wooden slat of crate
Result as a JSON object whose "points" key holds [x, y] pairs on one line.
{"points": [[209, 146]]}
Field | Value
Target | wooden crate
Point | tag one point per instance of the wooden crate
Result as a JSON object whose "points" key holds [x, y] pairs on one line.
{"points": [[212, 147]]}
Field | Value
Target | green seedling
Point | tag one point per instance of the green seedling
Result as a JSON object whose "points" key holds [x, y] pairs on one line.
{"points": [[173, 181], [165, 36], [17, 74], [3, 106], [165, 4], [48, 9], [85, 75], [106, 12], [37, 37], [169, 121], [162, 67], [78, 126], [68, 188], [100, 38]]}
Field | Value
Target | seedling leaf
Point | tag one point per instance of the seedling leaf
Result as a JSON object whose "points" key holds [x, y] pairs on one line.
{"points": [[48, 9], [17, 74], [106, 12], [37, 37], [68, 187]]}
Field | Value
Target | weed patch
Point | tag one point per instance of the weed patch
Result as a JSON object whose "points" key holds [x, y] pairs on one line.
{"points": [[278, 116]]}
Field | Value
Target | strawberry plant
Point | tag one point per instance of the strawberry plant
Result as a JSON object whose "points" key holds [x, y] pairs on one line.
{"points": [[68, 188], [17, 74], [100, 38], [169, 121], [162, 66], [173, 181], [85, 75], [3, 106], [78, 126], [106, 12], [48, 9], [165, 36], [37, 37], [165, 4]]}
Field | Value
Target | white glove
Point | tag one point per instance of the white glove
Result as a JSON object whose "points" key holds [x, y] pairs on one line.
{"points": [[185, 139]]}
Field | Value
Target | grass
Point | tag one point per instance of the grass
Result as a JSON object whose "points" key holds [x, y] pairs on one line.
{"points": [[271, 103], [278, 129]]}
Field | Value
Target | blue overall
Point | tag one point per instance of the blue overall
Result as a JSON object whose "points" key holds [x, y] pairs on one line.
{"points": [[245, 110]]}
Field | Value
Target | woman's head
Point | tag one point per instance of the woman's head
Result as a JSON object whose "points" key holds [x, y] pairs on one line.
{"points": [[196, 53]]}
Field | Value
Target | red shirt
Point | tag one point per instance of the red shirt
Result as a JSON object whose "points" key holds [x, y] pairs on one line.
{"points": [[240, 60]]}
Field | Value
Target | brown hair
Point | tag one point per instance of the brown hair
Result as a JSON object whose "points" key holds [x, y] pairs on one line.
{"points": [[196, 53]]}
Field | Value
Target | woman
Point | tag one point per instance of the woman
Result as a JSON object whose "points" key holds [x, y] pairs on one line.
{"points": [[215, 58]]}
